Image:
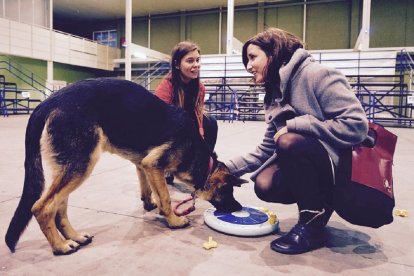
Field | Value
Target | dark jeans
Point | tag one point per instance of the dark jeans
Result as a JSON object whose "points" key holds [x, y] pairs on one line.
{"points": [[210, 136], [210, 131], [302, 174]]}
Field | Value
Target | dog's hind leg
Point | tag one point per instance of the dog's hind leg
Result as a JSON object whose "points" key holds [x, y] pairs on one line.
{"points": [[73, 154], [64, 226], [45, 211], [146, 192], [51, 213]]}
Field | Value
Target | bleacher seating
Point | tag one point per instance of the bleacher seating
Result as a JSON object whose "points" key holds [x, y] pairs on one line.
{"points": [[3, 110], [384, 98], [23, 90], [14, 100]]}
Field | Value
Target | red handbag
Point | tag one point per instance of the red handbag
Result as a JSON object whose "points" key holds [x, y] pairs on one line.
{"points": [[364, 190], [372, 164]]}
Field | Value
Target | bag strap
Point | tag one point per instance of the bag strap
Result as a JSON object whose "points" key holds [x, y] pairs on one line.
{"points": [[384, 140]]}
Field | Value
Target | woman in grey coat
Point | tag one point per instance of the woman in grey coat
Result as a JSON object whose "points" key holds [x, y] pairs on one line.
{"points": [[312, 116]]}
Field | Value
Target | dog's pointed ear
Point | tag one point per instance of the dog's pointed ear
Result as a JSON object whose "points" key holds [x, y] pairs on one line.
{"points": [[234, 180]]}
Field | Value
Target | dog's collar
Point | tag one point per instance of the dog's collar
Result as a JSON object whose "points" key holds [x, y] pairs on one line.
{"points": [[209, 171]]}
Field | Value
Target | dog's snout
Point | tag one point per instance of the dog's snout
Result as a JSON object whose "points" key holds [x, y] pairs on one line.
{"points": [[228, 208], [227, 205]]}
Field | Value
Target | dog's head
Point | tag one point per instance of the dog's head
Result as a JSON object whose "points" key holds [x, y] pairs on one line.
{"points": [[218, 189]]}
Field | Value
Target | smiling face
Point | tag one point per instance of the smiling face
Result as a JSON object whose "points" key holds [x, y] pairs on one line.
{"points": [[190, 66], [257, 62]]}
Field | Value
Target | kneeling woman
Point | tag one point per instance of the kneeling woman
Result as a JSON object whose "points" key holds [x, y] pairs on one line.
{"points": [[312, 116], [182, 88]]}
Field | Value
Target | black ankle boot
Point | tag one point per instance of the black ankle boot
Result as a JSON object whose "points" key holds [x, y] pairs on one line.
{"points": [[308, 234], [327, 215]]}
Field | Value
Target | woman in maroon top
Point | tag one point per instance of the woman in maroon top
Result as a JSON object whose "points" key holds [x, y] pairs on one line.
{"points": [[182, 88]]}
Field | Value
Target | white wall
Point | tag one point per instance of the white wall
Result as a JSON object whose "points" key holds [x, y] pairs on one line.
{"points": [[33, 12], [20, 39]]}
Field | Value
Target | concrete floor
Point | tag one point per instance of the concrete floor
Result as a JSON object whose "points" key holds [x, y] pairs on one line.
{"points": [[130, 241]]}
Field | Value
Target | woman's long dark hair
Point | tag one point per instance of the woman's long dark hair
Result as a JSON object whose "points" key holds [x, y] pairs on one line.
{"points": [[180, 98], [279, 46]]}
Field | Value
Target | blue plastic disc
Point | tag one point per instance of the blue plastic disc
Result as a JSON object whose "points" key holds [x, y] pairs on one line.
{"points": [[249, 221], [246, 216]]}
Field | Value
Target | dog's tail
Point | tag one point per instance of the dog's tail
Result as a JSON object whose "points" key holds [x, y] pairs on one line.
{"points": [[33, 179]]}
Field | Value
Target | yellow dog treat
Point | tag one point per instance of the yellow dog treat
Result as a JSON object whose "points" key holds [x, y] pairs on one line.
{"points": [[272, 218], [401, 212], [210, 244], [263, 209]]}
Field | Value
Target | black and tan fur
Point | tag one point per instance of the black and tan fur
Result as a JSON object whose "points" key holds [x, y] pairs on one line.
{"points": [[74, 126]]}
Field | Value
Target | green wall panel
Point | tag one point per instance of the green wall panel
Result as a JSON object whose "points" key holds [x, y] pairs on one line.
{"points": [[409, 33], [356, 21], [165, 33], [38, 67], [71, 74], [223, 32], [392, 23], [286, 18], [140, 32], [328, 26], [245, 24], [203, 29]]}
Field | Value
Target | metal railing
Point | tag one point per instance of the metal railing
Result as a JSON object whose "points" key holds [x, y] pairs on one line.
{"points": [[406, 66], [152, 73], [27, 76]]}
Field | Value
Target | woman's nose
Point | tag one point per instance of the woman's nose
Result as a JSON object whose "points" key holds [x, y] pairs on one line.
{"points": [[249, 67]]}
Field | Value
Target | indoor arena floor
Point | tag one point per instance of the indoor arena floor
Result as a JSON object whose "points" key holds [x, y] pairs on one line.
{"points": [[130, 241]]}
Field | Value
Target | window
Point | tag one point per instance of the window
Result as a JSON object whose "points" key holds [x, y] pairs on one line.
{"points": [[108, 37]]}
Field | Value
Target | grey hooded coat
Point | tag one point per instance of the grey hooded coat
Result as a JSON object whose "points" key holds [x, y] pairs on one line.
{"points": [[320, 103]]}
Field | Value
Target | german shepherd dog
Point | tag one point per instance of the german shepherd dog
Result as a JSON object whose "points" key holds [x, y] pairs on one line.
{"points": [[75, 125]]}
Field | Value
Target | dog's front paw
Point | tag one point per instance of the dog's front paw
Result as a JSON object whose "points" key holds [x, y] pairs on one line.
{"points": [[149, 206], [83, 239], [175, 222], [149, 203]]}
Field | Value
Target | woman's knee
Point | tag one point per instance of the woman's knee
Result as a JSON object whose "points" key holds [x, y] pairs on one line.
{"points": [[262, 192], [210, 131], [210, 123], [270, 186], [263, 186], [289, 142], [269, 193]]}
